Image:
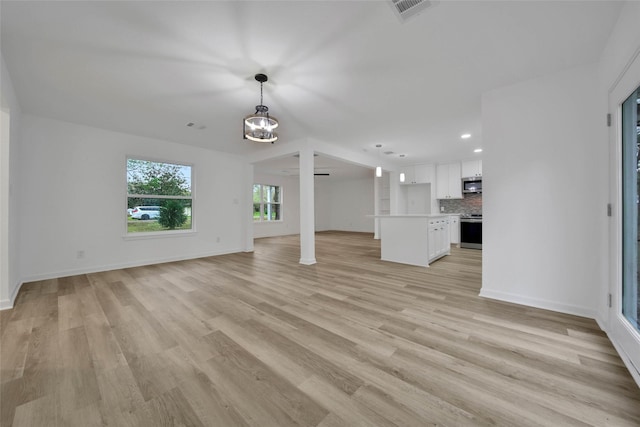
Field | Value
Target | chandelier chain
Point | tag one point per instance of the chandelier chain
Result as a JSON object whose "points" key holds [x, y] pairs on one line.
{"points": [[261, 93]]}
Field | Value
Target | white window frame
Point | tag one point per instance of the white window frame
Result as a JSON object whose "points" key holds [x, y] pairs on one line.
{"points": [[263, 203], [162, 233]]}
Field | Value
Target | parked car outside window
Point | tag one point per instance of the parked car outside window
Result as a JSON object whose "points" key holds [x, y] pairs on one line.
{"points": [[145, 212]]}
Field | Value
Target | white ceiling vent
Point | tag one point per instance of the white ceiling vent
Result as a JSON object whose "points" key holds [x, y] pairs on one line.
{"points": [[405, 9]]}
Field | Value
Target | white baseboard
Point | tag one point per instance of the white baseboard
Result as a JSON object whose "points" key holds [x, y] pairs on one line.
{"points": [[8, 303], [602, 323], [539, 303]]}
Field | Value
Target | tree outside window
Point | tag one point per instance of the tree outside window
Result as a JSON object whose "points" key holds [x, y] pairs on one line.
{"points": [[159, 196], [267, 202]]}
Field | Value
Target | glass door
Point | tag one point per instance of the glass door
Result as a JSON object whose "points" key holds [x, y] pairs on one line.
{"points": [[624, 326], [630, 132]]}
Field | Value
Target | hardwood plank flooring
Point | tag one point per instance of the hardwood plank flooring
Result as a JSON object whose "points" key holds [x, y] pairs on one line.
{"points": [[256, 339]]}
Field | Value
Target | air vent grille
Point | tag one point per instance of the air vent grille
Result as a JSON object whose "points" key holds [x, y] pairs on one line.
{"points": [[405, 9], [404, 5]]}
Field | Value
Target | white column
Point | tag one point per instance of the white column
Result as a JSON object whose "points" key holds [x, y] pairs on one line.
{"points": [[247, 207], [307, 208], [5, 298], [376, 206]]}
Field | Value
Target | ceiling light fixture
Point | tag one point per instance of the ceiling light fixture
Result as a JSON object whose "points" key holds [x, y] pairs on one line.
{"points": [[465, 136], [478, 150], [258, 127], [402, 177], [378, 168]]}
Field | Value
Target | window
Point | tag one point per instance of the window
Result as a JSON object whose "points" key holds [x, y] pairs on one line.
{"points": [[267, 202], [159, 196]]}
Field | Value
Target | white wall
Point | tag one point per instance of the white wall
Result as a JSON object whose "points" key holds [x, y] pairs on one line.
{"points": [[290, 223], [622, 46], [9, 213], [339, 205], [351, 202], [322, 202], [545, 181], [418, 198], [73, 182]]}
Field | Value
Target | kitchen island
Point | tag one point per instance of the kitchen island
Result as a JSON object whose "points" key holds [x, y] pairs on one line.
{"points": [[414, 239]]}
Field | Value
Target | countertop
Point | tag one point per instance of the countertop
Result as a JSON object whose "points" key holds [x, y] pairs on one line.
{"points": [[412, 216]]}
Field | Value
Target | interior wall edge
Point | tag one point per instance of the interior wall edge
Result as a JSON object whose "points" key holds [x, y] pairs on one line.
{"points": [[602, 322]]}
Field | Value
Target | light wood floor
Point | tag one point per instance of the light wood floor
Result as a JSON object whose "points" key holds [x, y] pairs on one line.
{"points": [[259, 340]]}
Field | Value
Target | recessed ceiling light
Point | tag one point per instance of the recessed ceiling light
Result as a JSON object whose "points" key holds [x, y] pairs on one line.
{"points": [[402, 155], [478, 150], [465, 136]]}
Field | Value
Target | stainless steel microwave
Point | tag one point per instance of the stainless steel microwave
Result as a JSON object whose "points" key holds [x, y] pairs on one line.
{"points": [[472, 185]]}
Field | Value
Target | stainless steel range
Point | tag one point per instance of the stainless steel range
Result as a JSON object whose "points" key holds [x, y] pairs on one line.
{"points": [[471, 231]]}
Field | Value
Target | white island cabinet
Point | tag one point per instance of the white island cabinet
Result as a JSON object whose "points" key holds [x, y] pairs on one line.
{"points": [[414, 239], [454, 227]]}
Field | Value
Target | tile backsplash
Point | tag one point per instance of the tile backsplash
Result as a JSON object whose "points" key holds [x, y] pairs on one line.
{"points": [[470, 204]]}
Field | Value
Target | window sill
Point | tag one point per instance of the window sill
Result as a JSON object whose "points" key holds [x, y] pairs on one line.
{"points": [[268, 222], [158, 234]]}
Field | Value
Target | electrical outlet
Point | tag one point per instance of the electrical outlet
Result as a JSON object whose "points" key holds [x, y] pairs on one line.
{"points": [[80, 254], [218, 239]]}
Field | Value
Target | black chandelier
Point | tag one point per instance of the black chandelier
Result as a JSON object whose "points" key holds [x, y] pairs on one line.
{"points": [[258, 127]]}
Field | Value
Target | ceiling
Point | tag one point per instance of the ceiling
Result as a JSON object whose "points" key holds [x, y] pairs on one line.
{"points": [[337, 169], [343, 72]]}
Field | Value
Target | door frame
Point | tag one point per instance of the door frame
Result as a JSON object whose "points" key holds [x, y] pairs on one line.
{"points": [[623, 335]]}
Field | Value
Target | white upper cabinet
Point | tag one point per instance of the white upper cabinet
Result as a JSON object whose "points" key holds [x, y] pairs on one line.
{"points": [[472, 168], [419, 174], [424, 174], [449, 181], [442, 181], [455, 181], [409, 175]]}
